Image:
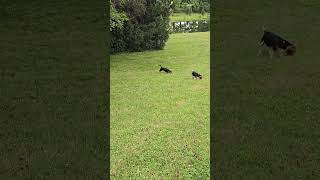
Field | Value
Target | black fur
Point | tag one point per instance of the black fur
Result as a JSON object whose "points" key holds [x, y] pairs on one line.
{"points": [[196, 75], [166, 70], [276, 43]]}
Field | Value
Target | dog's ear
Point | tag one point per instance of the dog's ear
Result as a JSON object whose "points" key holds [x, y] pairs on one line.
{"points": [[264, 28]]}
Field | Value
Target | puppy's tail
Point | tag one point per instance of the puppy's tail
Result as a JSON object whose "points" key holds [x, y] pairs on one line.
{"points": [[160, 65]]}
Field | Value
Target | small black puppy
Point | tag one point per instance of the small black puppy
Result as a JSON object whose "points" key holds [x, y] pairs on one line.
{"points": [[164, 69], [196, 75]]}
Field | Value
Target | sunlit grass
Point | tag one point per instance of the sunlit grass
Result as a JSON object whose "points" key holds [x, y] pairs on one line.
{"points": [[175, 17], [160, 122]]}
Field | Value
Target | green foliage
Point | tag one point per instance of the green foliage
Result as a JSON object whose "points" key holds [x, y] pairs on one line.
{"points": [[188, 8], [118, 43], [146, 26], [191, 6], [117, 19]]}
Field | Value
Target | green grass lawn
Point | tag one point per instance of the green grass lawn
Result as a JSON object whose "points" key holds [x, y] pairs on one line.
{"points": [[266, 112], [175, 17], [160, 122]]}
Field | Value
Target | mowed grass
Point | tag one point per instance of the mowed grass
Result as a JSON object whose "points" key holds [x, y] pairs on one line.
{"points": [[160, 122], [53, 90], [176, 17], [266, 112]]}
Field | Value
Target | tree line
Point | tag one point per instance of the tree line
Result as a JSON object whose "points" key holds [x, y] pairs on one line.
{"points": [[138, 25], [191, 6]]}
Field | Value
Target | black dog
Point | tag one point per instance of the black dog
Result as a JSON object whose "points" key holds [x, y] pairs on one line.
{"points": [[165, 69], [276, 43], [196, 75]]}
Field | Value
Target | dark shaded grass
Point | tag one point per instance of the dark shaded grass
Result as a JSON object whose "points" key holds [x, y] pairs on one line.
{"points": [[266, 111], [53, 90]]}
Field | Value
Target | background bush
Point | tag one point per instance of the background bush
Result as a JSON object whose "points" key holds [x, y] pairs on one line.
{"points": [[145, 25]]}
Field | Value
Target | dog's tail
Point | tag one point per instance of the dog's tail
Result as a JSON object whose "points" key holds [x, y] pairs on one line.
{"points": [[160, 65]]}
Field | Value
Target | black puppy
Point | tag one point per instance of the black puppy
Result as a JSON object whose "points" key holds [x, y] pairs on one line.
{"points": [[276, 43], [196, 75], [164, 69]]}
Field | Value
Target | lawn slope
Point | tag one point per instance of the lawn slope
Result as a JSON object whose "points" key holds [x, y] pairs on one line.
{"points": [[160, 122]]}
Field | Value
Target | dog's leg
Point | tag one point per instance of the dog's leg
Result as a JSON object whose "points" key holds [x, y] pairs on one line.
{"points": [[281, 53], [260, 52], [270, 53], [278, 52], [260, 49]]}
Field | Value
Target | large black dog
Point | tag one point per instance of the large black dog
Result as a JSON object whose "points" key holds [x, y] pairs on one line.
{"points": [[276, 44], [164, 69]]}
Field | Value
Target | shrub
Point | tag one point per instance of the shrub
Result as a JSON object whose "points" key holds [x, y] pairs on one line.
{"points": [[117, 19], [147, 26]]}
